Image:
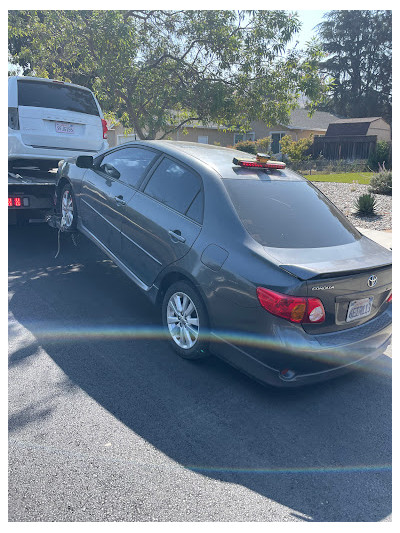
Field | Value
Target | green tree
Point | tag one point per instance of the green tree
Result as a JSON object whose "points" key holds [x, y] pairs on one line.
{"points": [[358, 48], [158, 70]]}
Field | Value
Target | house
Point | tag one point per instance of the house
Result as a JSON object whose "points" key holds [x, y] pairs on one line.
{"points": [[351, 138], [360, 126], [299, 126]]}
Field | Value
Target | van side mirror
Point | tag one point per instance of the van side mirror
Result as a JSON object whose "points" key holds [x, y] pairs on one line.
{"points": [[84, 161]]}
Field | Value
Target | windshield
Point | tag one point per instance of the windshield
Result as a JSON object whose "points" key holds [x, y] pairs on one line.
{"points": [[288, 214], [55, 96]]}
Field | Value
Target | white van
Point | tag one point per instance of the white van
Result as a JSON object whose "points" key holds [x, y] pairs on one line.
{"points": [[49, 120]]}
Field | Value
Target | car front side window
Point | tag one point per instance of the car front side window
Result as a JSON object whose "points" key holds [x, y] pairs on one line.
{"points": [[131, 163]]}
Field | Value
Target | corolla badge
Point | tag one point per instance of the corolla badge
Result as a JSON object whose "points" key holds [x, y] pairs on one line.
{"points": [[372, 281]]}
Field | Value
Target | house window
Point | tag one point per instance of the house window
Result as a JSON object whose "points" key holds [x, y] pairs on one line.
{"points": [[203, 139], [238, 137], [276, 136]]}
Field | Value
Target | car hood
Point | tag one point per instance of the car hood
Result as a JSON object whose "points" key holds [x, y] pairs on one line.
{"points": [[313, 263]]}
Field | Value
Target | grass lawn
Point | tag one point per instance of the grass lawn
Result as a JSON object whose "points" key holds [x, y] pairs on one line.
{"points": [[362, 178]]}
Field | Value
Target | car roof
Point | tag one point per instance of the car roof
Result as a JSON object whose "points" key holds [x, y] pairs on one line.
{"points": [[218, 158], [198, 150]]}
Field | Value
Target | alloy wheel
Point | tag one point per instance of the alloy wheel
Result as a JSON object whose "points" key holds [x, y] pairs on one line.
{"points": [[67, 208], [182, 320]]}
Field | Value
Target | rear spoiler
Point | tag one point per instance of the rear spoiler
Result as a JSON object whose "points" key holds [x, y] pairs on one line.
{"points": [[306, 273]]}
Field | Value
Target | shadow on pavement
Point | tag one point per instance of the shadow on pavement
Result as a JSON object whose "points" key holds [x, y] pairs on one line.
{"points": [[331, 440]]}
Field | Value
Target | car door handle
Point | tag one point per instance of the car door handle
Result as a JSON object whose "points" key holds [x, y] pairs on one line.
{"points": [[176, 235], [120, 200]]}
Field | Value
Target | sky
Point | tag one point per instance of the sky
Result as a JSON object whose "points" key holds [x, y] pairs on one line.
{"points": [[309, 19]]}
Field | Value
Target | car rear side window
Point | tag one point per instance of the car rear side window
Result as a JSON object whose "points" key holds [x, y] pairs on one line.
{"points": [[131, 163], [178, 187], [56, 96], [288, 214]]}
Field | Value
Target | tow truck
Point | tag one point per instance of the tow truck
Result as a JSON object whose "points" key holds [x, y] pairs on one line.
{"points": [[30, 194]]}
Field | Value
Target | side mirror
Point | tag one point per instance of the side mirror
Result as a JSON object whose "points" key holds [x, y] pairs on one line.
{"points": [[84, 161], [111, 171]]}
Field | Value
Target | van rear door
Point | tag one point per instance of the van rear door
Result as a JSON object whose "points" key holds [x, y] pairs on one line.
{"points": [[59, 115]]}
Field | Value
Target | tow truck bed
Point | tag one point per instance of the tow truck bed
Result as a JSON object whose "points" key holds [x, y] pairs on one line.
{"points": [[30, 195]]}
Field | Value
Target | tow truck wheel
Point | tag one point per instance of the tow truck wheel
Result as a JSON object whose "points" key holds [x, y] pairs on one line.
{"points": [[68, 208]]}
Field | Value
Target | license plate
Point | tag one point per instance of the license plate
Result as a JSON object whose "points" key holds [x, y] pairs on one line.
{"points": [[359, 309], [63, 127]]}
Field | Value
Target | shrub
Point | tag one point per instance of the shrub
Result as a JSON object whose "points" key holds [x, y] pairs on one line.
{"points": [[295, 150], [263, 145], [382, 155], [246, 146], [381, 182], [365, 205]]}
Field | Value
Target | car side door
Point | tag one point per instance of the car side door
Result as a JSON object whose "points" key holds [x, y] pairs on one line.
{"points": [[163, 219], [106, 190]]}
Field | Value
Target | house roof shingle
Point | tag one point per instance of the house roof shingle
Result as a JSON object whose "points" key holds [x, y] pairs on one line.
{"points": [[348, 128], [300, 120]]}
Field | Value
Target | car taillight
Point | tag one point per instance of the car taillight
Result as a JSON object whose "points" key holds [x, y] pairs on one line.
{"points": [[315, 311], [105, 129], [390, 298], [293, 308], [13, 118]]}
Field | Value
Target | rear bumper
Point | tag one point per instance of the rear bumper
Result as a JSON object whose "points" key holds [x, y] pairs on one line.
{"points": [[18, 150], [312, 358]]}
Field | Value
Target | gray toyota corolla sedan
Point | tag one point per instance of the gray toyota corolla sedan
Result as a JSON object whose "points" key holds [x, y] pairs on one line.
{"points": [[245, 258]]}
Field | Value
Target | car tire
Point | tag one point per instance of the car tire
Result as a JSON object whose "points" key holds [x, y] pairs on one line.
{"points": [[68, 208], [185, 320]]}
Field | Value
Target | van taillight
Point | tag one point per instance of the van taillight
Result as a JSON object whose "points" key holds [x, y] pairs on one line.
{"points": [[105, 129], [13, 118], [293, 308]]}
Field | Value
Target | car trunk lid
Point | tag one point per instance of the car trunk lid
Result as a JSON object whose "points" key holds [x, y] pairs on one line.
{"points": [[353, 281]]}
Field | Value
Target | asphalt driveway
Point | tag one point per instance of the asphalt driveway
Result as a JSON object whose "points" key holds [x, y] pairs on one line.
{"points": [[108, 424]]}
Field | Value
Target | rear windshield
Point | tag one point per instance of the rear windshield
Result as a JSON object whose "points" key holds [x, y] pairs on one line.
{"points": [[55, 96], [288, 214]]}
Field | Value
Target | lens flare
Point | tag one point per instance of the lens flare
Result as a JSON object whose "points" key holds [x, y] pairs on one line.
{"points": [[62, 332]]}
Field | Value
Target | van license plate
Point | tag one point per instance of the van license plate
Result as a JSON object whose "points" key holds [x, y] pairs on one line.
{"points": [[359, 309], [63, 127]]}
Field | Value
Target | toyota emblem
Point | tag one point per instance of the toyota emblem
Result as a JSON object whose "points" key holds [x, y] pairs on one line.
{"points": [[372, 281]]}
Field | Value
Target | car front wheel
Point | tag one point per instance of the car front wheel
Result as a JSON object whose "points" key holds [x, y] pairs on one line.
{"points": [[68, 207], [185, 320]]}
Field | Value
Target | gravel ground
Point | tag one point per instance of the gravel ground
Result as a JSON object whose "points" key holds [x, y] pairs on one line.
{"points": [[344, 195]]}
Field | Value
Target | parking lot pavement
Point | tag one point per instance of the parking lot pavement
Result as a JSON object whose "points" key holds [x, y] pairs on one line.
{"points": [[108, 424]]}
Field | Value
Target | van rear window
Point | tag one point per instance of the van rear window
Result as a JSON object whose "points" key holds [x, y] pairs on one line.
{"points": [[54, 96]]}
